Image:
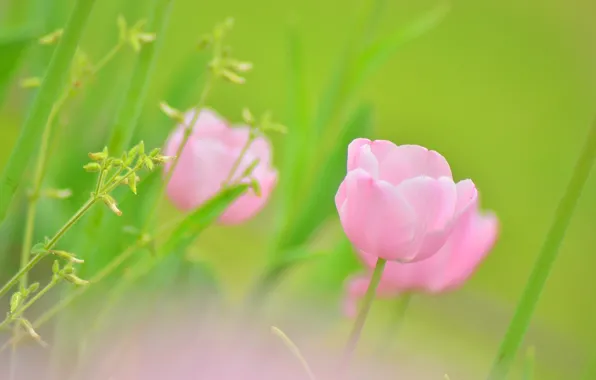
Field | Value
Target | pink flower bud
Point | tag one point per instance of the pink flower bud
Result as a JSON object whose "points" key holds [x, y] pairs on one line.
{"points": [[207, 160]]}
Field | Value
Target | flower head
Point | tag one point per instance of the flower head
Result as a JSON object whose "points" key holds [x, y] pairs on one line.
{"points": [[400, 203], [212, 152]]}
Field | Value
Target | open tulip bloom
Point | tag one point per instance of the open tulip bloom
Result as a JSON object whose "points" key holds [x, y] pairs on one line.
{"points": [[400, 203]]}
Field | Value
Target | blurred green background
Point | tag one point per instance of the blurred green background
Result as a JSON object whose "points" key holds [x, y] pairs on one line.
{"points": [[504, 89]]}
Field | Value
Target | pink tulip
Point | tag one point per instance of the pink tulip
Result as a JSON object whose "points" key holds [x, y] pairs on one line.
{"points": [[400, 203], [206, 163], [472, 239]]}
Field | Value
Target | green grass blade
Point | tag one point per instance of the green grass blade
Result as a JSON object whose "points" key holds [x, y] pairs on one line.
{"points": [[53, 83], [319, 205], [542, 267], [377, 53], [169, 261], [194, 224], [296, 146], [12, 49], [125, 125]]}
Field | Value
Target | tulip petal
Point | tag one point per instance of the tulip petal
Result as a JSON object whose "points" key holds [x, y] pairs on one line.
{"points": [[354, 152], [479, 238], [201, 169], [467, 196], [250, 203], [410, 161], [209, 123], [340, 196], [434, 200], [376, 217]]}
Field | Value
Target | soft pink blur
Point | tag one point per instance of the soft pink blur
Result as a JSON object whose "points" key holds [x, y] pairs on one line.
{"points": [[400, 203], [207, 160], [216, 347], [471, 240]]}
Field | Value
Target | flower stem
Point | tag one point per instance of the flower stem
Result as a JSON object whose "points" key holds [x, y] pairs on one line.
{"points": [[17, 277], [71, 222], [542, 267], [365, 308], [187, 132], [40, 170], [37, 258], [108, 57], [240, 157], [29, 303]]}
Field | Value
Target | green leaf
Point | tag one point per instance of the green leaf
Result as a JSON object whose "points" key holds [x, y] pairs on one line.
{"points": [[194, 224], [296, 147], [320, 205], [12, 49], [377, 53], [51, 86]]}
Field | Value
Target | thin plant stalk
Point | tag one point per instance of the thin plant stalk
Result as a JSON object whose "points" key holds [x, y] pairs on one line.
{"points": [[130, 111], [362, 314], [17, 314], [41, 108], [187, 132], [98, 277], [49, 245], [40, 170], [544, 263]]}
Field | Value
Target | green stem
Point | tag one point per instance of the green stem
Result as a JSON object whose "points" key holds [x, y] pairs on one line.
{"points": [[131, 108], [16, 278], [108, 57], [40, 171], [30, 303], [187, 132], [71, 222], [42, 106], [364, 309], [542, 267], [240, 157], [71, 297]]}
